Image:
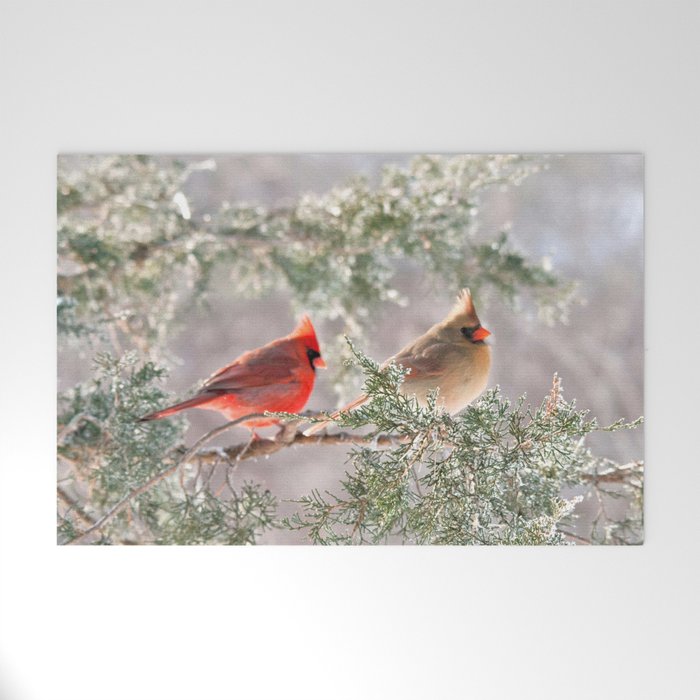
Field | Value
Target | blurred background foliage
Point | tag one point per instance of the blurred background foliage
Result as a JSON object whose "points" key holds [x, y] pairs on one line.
{"points": [[186, 262]]}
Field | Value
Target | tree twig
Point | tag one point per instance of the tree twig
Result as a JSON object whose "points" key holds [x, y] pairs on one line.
{"points": [[74, 506], [617, 475], [73, 424], [576, 538]]}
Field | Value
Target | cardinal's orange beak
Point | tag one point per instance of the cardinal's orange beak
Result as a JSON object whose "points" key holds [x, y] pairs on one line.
{"points": [[480, 334], [319, 363]]}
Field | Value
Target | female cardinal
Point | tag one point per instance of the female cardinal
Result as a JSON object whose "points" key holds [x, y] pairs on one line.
{"points": [[451, 357], [276, 377]]}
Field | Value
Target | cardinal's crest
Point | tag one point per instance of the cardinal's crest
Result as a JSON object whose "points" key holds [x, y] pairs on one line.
{"points": [[464, 307]]}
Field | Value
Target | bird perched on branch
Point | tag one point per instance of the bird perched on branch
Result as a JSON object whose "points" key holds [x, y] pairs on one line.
{"points": [[451, 356], [278, 376]]}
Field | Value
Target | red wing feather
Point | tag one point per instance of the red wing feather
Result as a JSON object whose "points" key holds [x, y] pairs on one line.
{"points": [[241, 377], [272, 365]]}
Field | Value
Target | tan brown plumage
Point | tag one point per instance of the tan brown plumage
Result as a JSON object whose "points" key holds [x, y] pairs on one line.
{"points": [[450, 356]]}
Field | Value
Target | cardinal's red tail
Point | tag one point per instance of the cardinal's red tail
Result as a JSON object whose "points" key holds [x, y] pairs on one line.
{"points": [[170, 410]]}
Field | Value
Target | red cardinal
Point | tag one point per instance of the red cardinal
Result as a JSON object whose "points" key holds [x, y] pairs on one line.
{"points": [[278, 376]]}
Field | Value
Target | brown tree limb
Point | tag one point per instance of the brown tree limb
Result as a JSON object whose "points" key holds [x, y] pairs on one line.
{"points": [[264, 447]]}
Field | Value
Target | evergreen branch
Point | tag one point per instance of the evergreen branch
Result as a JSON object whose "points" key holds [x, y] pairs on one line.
{"points": [[124, 241], [237, 453], [72, 506], [124, 502], [265, 447], [243, 451]]}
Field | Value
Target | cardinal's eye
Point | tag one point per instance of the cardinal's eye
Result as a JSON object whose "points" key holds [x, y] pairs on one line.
{"points": [[312, 355], [467, 332]]}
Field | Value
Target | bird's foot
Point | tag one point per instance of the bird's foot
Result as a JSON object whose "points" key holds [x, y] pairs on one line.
{"points": [[287, 431]]}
